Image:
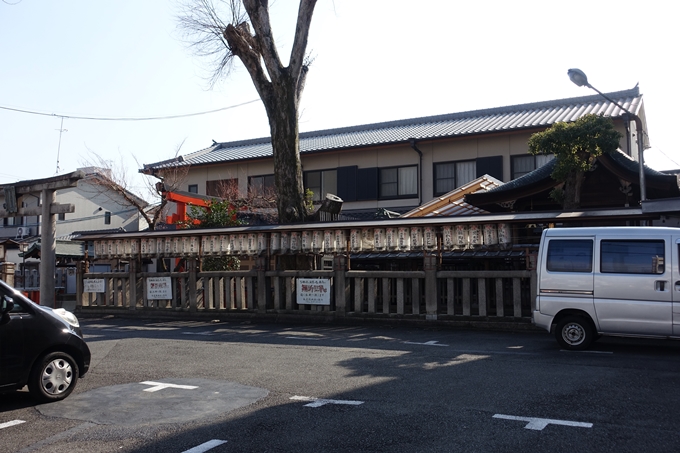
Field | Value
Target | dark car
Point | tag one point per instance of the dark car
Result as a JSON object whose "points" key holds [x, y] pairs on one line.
{"points": [[40, 347]]}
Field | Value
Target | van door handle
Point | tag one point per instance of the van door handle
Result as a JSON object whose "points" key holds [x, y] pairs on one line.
{"points": [[660, 285], [677, 285]]}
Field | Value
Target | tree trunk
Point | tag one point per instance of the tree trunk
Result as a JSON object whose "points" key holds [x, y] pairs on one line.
{"points": [[283, 124], [572, 191]]}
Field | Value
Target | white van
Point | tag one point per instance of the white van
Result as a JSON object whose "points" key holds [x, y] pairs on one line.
{"points": [[608, 281]]}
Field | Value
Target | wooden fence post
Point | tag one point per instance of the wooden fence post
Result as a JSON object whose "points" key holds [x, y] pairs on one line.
{"points": [[132, 281], [430, 267], [262, 286], [193, 293], [340, 266], [80, 270]]}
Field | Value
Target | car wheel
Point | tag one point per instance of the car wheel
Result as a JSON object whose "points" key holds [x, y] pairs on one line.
{"points": [[53, 377], [575, 333]]}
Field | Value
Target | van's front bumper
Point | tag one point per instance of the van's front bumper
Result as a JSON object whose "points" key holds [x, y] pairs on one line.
{"points": [[541, 320]]}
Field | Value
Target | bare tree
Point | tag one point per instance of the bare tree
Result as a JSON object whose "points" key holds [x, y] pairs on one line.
{"points": [[278, 86], [109, 178]]}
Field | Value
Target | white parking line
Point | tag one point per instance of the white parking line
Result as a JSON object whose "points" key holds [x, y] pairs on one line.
{"points": [[162, 385], [539, 423], [588, 352], [12, 423], [427, 343], [206, 446], [318, 402]]}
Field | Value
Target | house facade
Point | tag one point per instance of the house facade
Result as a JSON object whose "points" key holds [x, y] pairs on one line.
{"points": [[400, 165], [96, 208]]}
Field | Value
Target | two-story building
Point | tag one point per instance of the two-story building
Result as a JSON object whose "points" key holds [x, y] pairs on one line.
{"points": [[399, 165]]}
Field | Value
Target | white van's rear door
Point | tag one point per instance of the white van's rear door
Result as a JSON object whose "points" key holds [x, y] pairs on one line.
{"points": [[633, 292]]}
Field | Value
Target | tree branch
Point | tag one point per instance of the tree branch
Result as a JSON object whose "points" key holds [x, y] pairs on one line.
{"points": [[297, 55], [242, 45], [258, 12]]}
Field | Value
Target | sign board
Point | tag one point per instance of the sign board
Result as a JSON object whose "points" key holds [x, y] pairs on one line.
{"points": [[159, 288], [313, 291], [94, 285]]}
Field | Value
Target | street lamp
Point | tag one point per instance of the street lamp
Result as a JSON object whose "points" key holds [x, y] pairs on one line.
{"points": [[579, 78]]}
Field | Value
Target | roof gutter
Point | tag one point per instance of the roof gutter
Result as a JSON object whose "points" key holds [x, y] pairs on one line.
{"points": [[420, 170]]}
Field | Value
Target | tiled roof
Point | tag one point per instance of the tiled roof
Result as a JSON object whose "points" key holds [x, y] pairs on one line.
{"points": [[515, 117]]}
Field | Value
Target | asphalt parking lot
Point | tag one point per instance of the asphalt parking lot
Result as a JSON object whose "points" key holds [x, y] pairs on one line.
{"points": [[194, 386]]}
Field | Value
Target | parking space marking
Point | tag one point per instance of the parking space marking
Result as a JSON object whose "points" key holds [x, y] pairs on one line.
{"points": [[11, 423], [539, 423], [427, 343], [162, 385], [588, 352], [206, 446], [318, 402]]}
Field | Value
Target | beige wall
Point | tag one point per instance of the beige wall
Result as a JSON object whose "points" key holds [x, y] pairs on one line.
{"points": [[455, 149]]}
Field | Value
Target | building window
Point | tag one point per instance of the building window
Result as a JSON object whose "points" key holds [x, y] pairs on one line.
{"points": [[321, 183], [222, 188], [61, 216], [260, 185], [107, 218], [450, 175], [193, 188], [398, 182], [521, 165]]}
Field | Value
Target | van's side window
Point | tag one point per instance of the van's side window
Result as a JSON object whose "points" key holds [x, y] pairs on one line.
{"points": [[632, 257], [570, 255]]}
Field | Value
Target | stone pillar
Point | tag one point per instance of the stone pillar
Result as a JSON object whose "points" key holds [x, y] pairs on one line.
{"points": [[48, 249], [430, 267]]}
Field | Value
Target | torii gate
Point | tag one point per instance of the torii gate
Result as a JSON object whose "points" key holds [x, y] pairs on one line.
{"points": [[48, 223]]}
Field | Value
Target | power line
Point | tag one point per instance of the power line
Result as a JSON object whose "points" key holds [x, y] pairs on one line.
{"points": [[101, 118]]}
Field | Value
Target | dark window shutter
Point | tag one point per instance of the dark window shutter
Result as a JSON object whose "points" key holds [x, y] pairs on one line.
{"points": [[367, 183], [492, 166], [347, 183]]}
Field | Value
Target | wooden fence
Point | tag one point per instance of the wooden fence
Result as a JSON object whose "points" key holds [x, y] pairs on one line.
{"points": [[430, 294]]}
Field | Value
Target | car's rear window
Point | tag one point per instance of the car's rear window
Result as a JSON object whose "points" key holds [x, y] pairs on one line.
{"points": [[632, 256]]}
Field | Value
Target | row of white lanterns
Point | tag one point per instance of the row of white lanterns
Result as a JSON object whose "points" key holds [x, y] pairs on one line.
{"points": [[453, 237]]}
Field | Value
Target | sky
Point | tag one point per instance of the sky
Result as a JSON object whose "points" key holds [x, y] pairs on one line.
{"points": [[373, 61]]}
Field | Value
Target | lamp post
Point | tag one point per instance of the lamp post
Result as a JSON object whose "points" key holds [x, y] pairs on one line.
{"points": [[579, 78]]}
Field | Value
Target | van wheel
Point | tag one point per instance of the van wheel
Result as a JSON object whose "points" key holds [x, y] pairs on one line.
{"points": [[574, 333], [53, 377]]}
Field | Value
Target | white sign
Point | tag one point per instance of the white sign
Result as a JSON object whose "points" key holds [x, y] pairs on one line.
{"points": [[94, 285], [159, 288], [313, 291]]}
